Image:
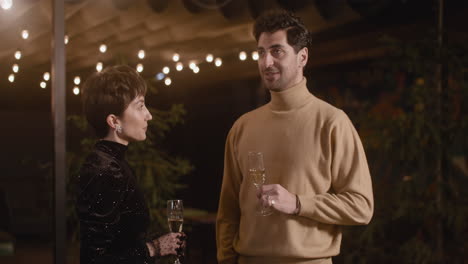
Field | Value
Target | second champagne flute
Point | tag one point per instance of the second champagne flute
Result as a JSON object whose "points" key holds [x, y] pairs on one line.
{"points": [[175, 217], [257, 173]]}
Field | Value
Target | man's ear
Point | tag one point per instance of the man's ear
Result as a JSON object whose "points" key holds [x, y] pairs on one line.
{"points": [[112, 121], [303, 56]]}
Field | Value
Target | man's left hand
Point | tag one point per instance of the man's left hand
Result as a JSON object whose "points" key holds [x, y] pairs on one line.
{"points": [[278, 197]]}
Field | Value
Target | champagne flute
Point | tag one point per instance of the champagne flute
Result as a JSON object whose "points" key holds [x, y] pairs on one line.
{"points": [[175, 218], [257, 173]]}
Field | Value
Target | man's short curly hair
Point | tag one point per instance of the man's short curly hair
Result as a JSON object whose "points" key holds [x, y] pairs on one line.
{"points": [[271, 21], [110, 92]]}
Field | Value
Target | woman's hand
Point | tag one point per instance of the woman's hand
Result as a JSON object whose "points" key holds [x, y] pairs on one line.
{"points": [[170, 244]]}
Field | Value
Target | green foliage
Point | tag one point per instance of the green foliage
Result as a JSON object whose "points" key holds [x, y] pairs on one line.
{"points": [[159, 173], [421, 199]]}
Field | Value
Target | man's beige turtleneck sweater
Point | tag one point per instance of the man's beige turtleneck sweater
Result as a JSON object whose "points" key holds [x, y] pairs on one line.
{"points": [[311, 149]]}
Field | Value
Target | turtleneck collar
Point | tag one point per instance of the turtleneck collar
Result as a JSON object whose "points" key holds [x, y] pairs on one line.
{"points": [[291, 98], [112, 148]]}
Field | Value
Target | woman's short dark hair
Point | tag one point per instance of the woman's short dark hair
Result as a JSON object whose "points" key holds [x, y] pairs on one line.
{"points": [[110, 92], [271, 21]]}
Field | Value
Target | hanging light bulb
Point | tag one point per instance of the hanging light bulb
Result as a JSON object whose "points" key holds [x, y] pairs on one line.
{"points": [[255, 55], [218, 62], [46, 76], [166, 70], [167, 81], [175, 57], [6, 4], [99, 66], [179, 66], [209, 58], [43, 85], [160, 76], [196, 70], [139, 67], [76, 90], [18, 55], [65, 39], [77, 80], [192, 65], [11, 78], [15, 68], [141, 54], [242, 55], [25, 34], [103, 48]]}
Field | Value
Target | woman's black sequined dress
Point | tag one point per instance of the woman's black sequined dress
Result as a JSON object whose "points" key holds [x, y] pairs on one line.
{"points": [[112, 211]]}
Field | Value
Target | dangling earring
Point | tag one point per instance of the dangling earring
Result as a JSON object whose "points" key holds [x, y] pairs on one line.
{"points": [[118, 128]]}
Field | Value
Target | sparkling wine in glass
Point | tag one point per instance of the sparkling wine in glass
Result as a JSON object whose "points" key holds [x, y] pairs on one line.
{"points": [[175, 218], [258, 176]]}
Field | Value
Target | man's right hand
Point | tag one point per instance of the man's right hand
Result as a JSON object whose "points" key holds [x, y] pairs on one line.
{"points": [[278, 197]]}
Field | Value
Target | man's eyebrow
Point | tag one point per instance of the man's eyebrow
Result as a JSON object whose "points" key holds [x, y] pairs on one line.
{"points": [[272, 46], [276, 46]]}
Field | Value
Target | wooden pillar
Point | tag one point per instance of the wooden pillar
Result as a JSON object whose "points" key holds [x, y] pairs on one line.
{"points": [[58, 117], [440, 150]]}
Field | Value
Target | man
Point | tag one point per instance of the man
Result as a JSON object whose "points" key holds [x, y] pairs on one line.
{"points": [[316, 169]]}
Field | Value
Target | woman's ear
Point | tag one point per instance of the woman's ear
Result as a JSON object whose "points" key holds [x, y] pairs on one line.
{"points": [[112, 121]]}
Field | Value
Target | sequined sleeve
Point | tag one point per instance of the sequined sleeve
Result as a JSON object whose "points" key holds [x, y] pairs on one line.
{"points": [[101, 206]]}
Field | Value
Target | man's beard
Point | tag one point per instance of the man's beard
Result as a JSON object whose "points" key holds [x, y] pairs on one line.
{"points": [[274, 85]]}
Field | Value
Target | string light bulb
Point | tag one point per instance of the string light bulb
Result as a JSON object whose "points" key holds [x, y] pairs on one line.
{"points": [[179, 66], [192, 65], [196, 70], [65, 39], [160, 76], [43, 85], [15, 68], [255, 55], [77, 80], [209, 58], [167, 81], [46, 76], [103, 48], [99, 66], [139, 67], [25, 34], [175, 57], [218, 62], [6, 4], [141, 54], [166, 70], [76, 90], [11, 78], [242, 55], [18, 55]]}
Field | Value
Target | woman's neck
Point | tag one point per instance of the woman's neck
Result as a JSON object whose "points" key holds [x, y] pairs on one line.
{"points": [[112, 136]]}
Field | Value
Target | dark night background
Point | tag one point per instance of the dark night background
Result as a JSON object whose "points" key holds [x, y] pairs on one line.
{"points": [[349, 67]]}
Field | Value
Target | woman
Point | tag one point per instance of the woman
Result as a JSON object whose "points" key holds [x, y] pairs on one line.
{"points": [[111, 208]]}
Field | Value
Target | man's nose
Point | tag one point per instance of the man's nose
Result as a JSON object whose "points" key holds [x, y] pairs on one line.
{"points": [[267, 60]]}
